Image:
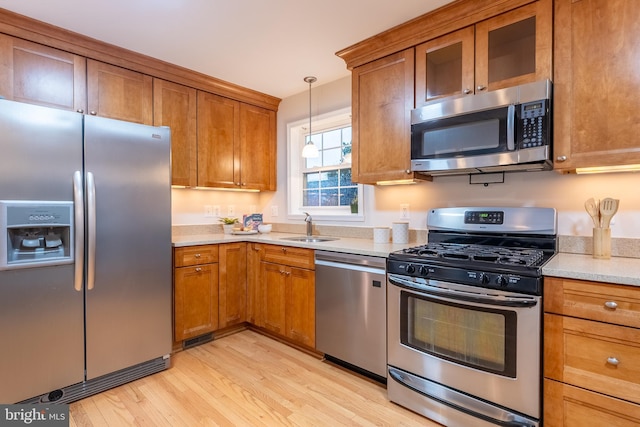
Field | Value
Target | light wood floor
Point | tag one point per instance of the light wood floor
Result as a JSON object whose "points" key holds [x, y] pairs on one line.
{"points": [[245, 379]]}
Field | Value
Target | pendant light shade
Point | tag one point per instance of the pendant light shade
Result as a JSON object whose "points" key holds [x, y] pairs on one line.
{"points": [[310, 150]]}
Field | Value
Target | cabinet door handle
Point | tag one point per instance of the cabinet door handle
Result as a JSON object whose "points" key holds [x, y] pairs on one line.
{"points": [[198, 269], [197, 255], [481, 87], [613, 361], [284, 249], [93, 113], [287, 273], [466, 91], [611, 304], [80, 110], [561, 159]]}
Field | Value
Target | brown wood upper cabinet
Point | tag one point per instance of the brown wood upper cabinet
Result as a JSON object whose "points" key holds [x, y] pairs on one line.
{"points": [[236, 144], [174, 105], [118, 93], [506, 50], [382, 100], [596, 83], [41, 75]]}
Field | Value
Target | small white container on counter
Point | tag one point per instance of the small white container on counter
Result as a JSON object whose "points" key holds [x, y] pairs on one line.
{"points": [[400, 232], [381, 234]]}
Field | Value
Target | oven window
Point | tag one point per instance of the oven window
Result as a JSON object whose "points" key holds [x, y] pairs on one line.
{"points": [[481, 338]]}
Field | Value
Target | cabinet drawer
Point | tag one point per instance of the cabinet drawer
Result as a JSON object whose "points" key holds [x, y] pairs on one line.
{"points": [[565, 405], [609, 303], [288, 255], [593, 355], [194, 255]]}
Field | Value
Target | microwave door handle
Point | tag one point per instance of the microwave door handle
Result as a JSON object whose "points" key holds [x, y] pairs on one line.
{"points": [[511, 118]]}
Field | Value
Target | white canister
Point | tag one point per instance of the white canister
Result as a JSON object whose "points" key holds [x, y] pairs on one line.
{"points": [[400, 232], [381, 234]]}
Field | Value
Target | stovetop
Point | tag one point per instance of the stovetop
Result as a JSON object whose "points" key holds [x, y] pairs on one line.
{"points": [[455, 252], [500, 248]]}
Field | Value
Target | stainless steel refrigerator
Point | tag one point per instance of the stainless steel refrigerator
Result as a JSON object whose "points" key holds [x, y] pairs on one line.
{"points": [[85, 253]]}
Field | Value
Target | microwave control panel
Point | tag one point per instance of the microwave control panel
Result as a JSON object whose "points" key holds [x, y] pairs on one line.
{"points": [[533, 124]]}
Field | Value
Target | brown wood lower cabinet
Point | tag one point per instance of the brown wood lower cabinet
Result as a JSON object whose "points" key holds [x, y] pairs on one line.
{"points": [[269, 286], [281, 291], [195, 300], [566, 405], [591, 353], [232, 284]]}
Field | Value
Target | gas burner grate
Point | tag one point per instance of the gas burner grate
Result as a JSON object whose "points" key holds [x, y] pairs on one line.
{"points": [[480, 253]]}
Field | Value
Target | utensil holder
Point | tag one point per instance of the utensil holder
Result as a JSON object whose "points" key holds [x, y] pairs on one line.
{"points": [[602, 243]]}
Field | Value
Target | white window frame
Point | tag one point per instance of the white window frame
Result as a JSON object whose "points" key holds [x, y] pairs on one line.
{"points": [[296, 134]]}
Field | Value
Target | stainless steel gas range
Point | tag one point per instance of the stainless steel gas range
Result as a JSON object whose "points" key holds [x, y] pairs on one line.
{"points": [[464, 316]]}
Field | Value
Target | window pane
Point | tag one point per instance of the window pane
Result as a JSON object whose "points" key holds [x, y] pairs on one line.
{"points": [[331, 139], [331, 157], [329, 197], [329, 179], [345, 177], [316, 138], [347, 195], [346, 136], [311, 198], [315, 162], [311, 180]]}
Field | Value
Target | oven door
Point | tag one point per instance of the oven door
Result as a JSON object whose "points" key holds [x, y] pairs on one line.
{"points": [[481, 342]]}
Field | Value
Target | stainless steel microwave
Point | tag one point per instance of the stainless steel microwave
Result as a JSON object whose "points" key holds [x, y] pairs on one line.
{"points": [[503, 130]]}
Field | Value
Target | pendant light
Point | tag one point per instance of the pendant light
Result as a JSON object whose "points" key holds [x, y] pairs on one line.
{"points": [[310, 150]]}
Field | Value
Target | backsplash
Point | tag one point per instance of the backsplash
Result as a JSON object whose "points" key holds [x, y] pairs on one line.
{"points": [[620, 247]]}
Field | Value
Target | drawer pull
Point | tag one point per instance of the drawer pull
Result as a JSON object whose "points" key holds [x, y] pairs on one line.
{"points": [[197, 255], [198, 269], [613, 361], [611, 304]]}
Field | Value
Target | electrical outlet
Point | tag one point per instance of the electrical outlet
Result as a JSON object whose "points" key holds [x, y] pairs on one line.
{"points": [[208, 211], [404, 211], [274, 210], [252, 209], [231, 210], [216, 210]]}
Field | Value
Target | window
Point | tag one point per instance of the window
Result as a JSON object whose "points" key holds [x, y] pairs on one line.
{"points": [[322, 186]]}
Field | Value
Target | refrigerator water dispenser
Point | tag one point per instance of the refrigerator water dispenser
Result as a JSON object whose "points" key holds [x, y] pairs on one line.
{"points": [[35, 233]]}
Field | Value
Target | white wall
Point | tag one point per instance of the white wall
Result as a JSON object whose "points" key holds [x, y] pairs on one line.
{"points": [[566, 193]]}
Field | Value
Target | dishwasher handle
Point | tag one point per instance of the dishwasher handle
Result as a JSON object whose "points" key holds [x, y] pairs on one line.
{"points": [[352, 267], [351, 259]]}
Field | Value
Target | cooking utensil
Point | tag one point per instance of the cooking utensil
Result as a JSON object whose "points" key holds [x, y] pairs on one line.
{"points": [[608, 208], [592, 209]]}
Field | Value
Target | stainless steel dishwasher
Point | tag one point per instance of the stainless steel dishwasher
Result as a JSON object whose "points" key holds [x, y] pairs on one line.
{"points": [[351, 295]]}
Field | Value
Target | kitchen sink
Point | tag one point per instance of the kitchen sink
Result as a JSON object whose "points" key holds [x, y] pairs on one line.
{"points": [[310, 239]]}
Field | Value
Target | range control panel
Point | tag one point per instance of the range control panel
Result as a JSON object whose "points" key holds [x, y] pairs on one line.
{"points": [[484, 217]]}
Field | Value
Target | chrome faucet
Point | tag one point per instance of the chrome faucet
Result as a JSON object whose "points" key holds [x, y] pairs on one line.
{"points": [[309, 222]]}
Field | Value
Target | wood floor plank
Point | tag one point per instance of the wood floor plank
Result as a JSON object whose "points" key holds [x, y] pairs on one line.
{"points": [[245, 379]]}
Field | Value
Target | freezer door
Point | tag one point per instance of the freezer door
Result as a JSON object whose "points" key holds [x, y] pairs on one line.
{"points": [[128, 296], [41, 314]]}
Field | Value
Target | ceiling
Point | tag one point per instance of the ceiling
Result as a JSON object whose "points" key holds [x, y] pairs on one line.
{"points": [[265, 45]]}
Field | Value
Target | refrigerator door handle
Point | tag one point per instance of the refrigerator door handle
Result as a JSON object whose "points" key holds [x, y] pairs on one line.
{"points": [[91, 231], [78, 213]]}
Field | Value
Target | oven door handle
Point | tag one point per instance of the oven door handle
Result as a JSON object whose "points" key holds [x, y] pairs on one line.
{"points": [[441, 293], [455, 400]]}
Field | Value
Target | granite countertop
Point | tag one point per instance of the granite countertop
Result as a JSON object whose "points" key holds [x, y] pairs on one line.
{"points": [[343, 244], [624, 271]]}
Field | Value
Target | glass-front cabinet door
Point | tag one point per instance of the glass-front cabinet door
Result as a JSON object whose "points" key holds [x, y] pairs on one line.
{"points": [[445, 66], [507, 50], [515, 47]]}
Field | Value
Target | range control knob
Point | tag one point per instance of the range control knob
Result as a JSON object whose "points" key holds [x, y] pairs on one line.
{"points": [[501, 281], [483, 278], [424, 271], [411, 269]]}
